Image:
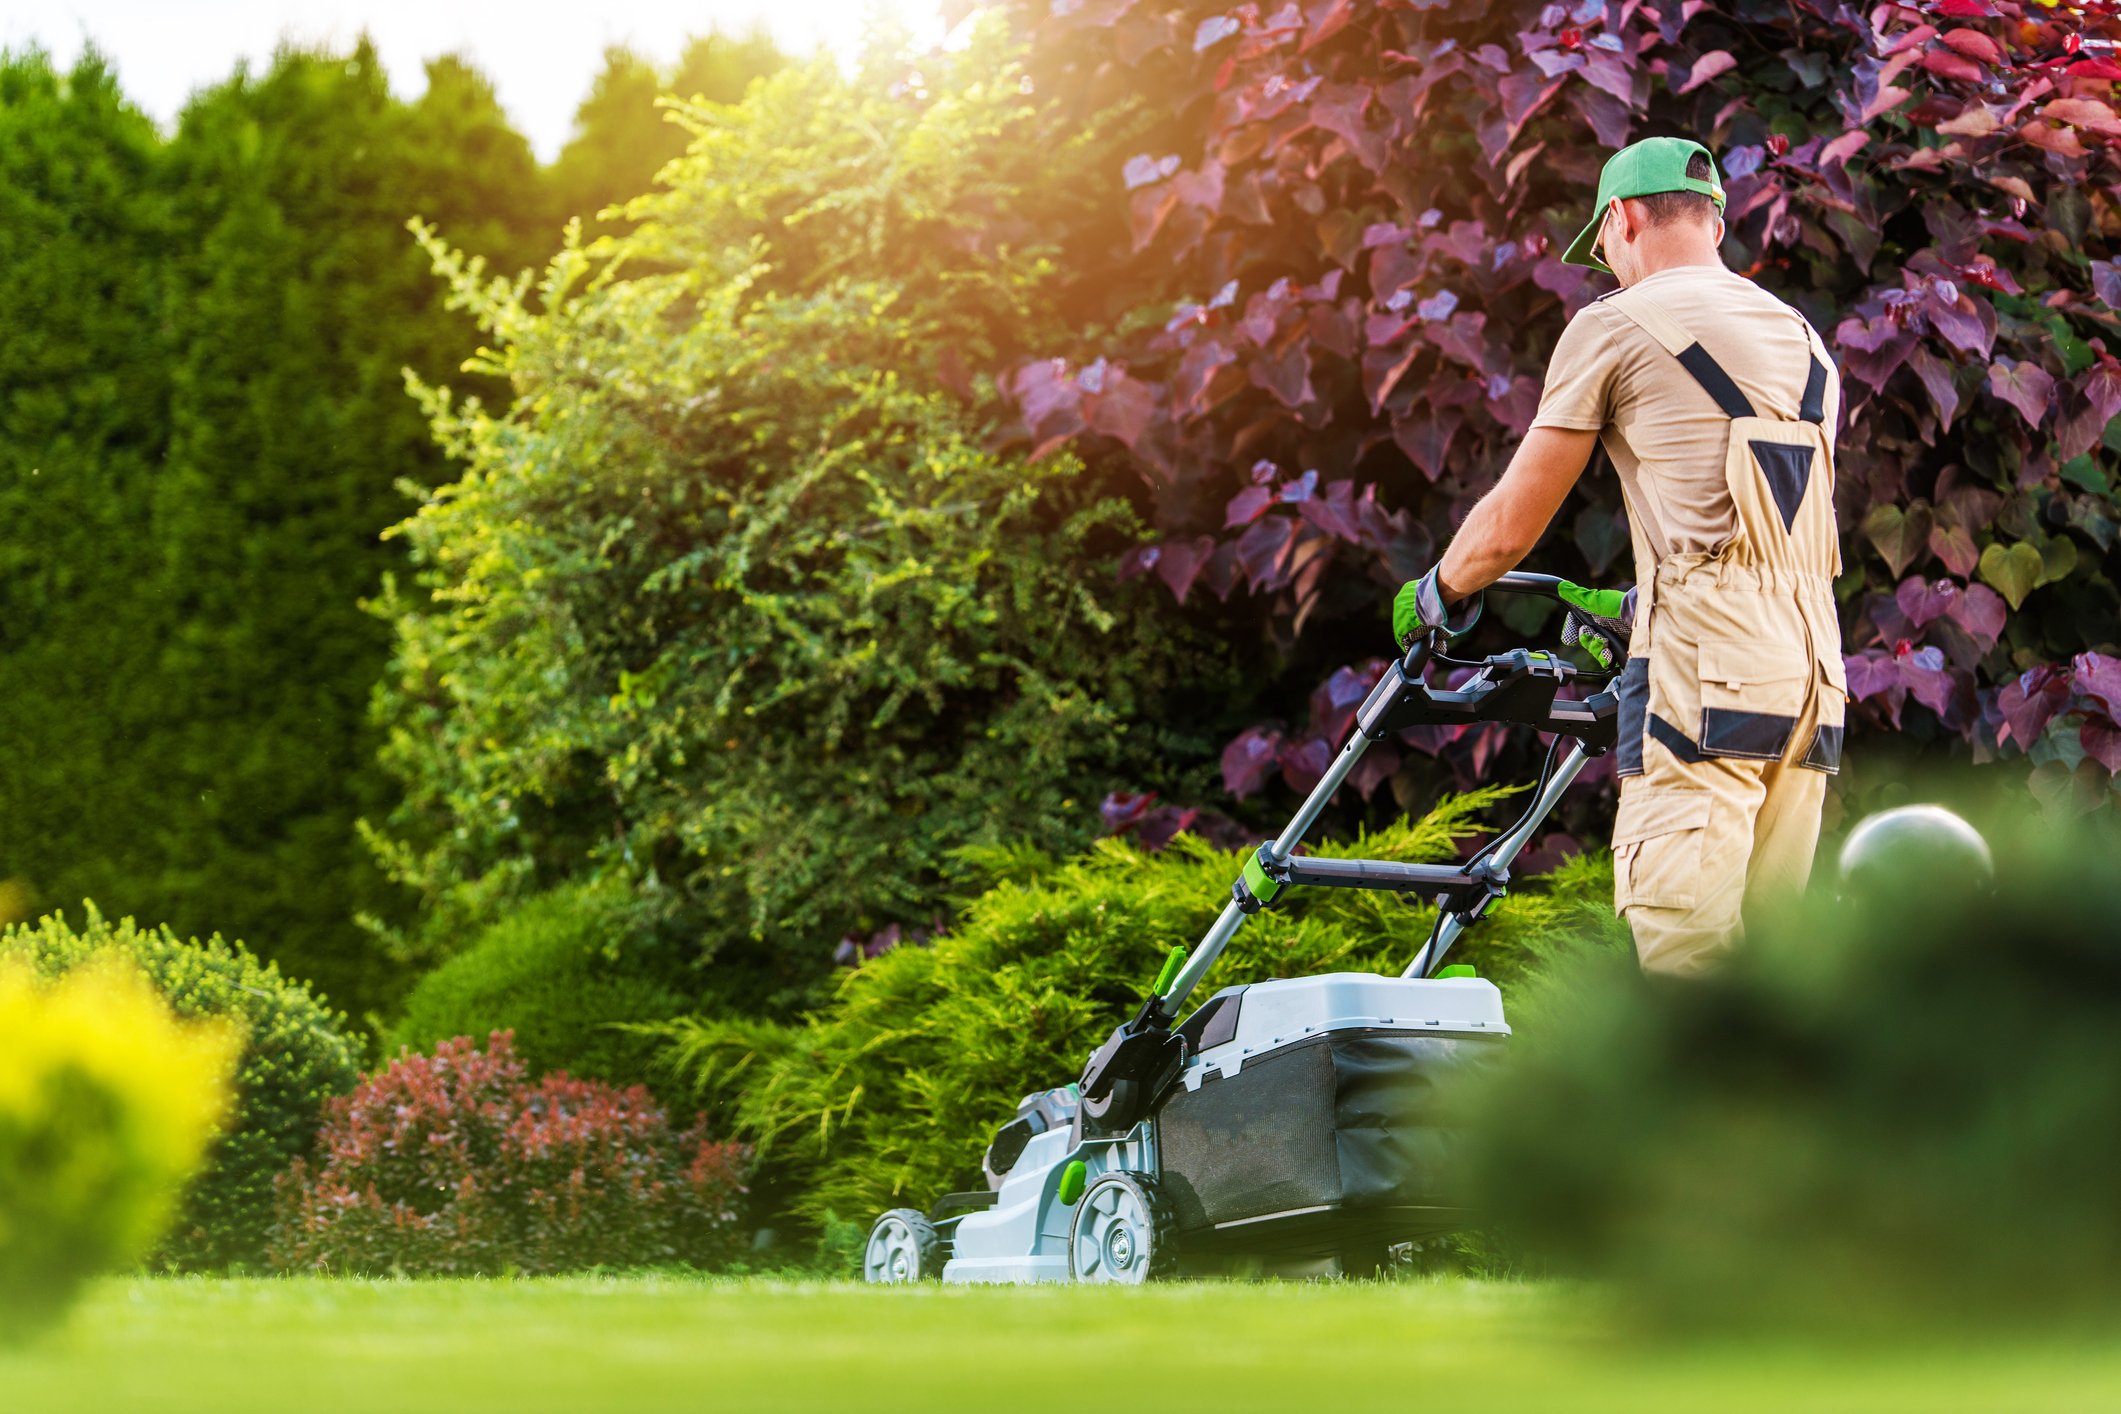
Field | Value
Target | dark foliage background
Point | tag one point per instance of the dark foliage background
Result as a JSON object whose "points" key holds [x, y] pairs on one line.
{"points": [[1328, 328], [204, 430]]}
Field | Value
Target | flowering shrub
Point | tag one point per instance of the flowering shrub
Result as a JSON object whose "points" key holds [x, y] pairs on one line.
{"points": [[454, 1164], [107, 1105], [1345, 279]]}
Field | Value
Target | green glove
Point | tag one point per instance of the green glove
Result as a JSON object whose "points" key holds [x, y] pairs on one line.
{"points": [[1599, 622], [1418, 609]]}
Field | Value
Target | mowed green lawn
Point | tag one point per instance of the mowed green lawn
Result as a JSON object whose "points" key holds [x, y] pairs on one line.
{"points": [[645, 1343]]}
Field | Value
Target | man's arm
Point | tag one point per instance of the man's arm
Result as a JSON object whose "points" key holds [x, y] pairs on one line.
{"points": [[1509, 520]]}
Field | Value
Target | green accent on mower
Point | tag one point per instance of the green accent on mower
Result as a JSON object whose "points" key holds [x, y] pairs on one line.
{"points": [[1169, 973], [1262, 885], [1457, 969], [1075, 1177]]}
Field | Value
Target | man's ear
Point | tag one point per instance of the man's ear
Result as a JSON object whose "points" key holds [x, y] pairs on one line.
{"points": [[1630, 223]]}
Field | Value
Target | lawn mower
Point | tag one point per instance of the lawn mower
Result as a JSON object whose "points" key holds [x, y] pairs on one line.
{"points": [[1292, 1125]]}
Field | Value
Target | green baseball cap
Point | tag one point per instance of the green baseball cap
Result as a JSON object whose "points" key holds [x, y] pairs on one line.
{"points": [[1643, 169]]}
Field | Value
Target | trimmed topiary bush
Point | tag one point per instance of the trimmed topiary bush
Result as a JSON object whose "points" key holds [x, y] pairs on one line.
{"points": [[107, 1103], [550, 972], [889, 1095], [455, 1165], [296, 1055]]}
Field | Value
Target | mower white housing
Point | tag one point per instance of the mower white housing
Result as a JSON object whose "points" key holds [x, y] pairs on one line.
{"points": [[1223, 1172]]}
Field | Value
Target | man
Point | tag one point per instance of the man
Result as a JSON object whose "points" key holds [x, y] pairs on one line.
{"points": [[1716, 403]]}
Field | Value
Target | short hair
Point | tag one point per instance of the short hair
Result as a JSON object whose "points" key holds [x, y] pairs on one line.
{"points": [[1665, 207]]}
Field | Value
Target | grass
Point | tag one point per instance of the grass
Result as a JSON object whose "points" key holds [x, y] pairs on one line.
{"points": [[668, 1342]]}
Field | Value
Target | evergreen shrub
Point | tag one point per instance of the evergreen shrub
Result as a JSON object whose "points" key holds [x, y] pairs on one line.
{"points": [[296, 1055], [888, 1096], [107, 1104], [558, 973], [456, 1164]]}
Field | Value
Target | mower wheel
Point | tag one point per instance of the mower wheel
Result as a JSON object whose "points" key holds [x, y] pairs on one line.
{"points": [[1122, 1232], [903, 1246]]}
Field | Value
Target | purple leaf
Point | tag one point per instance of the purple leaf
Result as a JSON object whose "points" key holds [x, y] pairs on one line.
{"points": [[1870, 674], [1334, 512], [1287, 375], [1979, 610], [1438, 305], [2025, 386], [1247, 506], [1181, 563], [1124, 410], [1301, 488], [1303, 764], [1922, 600], [1248, 758], [1957, 319], [1333, 702], [2102, 389], [1708, 66], [2030, 703], [1338, 108], [1143, 170], [1122, 810], [2098, 677], [2106, 283], [1377, 766], [1936, 376], [1262, 552], [1213, 31], [2102, 742]]}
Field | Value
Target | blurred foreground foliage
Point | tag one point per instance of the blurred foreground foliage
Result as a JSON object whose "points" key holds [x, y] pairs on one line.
{"points": [[1895, 1108], [887, 1097], [294, 1056], [107, 1103]]}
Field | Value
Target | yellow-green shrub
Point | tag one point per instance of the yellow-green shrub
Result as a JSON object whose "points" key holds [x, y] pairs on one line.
{"points": [[296, 1056], [107, 1103]]}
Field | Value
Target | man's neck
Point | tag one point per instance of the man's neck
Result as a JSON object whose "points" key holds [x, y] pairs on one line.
{"points": [[1675, 249]]}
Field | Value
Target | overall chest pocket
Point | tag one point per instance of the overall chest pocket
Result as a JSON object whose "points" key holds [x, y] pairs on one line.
{"points": [[1752, 691]]}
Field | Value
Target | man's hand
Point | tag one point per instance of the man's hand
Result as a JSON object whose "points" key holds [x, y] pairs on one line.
{"points": [[1599, 622], [1419, 608]]}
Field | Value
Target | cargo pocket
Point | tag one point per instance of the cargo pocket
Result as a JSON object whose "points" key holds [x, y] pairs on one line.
{"points": [[1657, 842], [1751, 693], [1824, 753]]}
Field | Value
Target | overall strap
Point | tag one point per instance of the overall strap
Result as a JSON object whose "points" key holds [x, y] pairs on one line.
{"points": [[1651, 318]]}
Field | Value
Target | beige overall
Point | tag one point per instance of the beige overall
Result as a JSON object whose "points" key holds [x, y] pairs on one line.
{"points": [[1732, 699]]}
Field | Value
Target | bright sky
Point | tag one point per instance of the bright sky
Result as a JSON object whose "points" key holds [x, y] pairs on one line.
{"points": [[540, 56]]}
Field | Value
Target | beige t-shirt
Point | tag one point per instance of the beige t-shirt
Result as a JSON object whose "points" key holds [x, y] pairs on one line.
{"points": [[1666, 435]]}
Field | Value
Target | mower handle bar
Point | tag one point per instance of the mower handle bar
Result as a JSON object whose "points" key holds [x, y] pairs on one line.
{"points": [[1545, 586]]}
